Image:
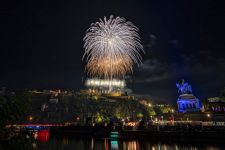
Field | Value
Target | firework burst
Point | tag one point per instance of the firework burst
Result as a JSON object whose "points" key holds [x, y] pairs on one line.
{"points": [[112, 47], [103, 67]]}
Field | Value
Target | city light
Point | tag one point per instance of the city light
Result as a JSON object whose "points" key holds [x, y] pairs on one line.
{"points": [[30, 118], [131, 124]]}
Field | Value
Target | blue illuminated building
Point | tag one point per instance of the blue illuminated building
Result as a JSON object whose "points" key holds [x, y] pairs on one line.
{"points": [[186, 101]]}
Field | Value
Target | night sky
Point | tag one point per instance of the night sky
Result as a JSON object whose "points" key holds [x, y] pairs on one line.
{"points": [[42, 44]]}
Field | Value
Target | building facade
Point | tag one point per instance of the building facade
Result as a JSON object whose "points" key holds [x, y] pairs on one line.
{"points": [[215, 104]]}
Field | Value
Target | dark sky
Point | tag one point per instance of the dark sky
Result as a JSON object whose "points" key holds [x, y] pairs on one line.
{"points": [[42, 44]]}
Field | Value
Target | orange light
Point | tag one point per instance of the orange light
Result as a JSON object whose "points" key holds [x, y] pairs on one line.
{"points": [[30, 118], [131, 124]]}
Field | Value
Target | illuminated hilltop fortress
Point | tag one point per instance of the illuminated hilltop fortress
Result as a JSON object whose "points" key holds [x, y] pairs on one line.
{"points": [[102, 85], [187, 102]]}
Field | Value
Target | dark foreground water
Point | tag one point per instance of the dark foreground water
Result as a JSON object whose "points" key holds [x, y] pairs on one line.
{"points": [[62, 142]]}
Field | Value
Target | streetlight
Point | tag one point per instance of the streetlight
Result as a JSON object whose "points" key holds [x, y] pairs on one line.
{"points": [[77, 118], [172, 115], [30, 118], [151, 117]]}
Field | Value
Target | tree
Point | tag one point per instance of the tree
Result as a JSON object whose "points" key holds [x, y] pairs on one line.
{"points": [[13, 109], [151, 112], [139, 115], [119, 113], [98, 118]]}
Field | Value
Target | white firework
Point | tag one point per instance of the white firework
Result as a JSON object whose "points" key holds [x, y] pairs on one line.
{"points": [[114, 41]]}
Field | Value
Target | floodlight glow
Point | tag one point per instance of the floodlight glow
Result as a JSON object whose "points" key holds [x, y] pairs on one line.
{"points": [[105, 83]]}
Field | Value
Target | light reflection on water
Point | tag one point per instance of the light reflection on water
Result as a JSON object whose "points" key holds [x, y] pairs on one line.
{"points": [[67, 143]]}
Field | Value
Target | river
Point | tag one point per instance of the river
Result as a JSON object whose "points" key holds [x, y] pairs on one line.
{"points": [[62, 142]]}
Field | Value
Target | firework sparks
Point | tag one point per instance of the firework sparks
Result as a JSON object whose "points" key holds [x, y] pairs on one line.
{"points": [[112, 47], [102, 67]]}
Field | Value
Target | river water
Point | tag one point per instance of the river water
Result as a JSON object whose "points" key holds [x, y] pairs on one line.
{"points": [[62, 142]]}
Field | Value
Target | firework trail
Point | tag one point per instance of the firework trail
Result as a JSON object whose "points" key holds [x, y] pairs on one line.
{"points": [[112, 47]]}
